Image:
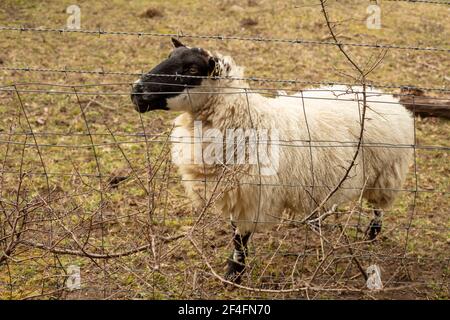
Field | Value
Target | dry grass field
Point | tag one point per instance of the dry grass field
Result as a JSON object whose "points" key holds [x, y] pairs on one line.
{"points": [[100, 192]]}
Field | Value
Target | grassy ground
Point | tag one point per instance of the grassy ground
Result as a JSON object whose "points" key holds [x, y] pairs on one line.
{"points": [[414, 264]]}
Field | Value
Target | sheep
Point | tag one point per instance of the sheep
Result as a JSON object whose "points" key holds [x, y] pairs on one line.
{"points": [[309, 141]]}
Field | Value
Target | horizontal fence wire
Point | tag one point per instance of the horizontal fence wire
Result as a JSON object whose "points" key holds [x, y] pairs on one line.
{"points": [[239, 92], [100, 32], [215, 181], [282, 142], [252, 79]]}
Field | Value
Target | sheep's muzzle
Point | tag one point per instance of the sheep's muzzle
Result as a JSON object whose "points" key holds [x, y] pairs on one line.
{"points": [[146, 101]]}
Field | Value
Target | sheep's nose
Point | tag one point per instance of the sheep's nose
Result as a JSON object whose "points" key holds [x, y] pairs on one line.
{"points": [[136, 86], [136, 90]]}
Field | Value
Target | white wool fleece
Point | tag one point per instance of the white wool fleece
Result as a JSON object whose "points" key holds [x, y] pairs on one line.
{"points": [[329, 117]]}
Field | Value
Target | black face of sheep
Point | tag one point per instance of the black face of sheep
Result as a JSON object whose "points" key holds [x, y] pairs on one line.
{"points": [[163, 82]]}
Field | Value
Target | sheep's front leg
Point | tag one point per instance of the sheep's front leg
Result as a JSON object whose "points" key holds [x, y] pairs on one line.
{"points": [[374, 227], [236, 262]]}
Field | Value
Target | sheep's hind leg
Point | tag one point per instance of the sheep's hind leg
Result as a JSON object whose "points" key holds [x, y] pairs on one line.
{"points": [[374, 228], [236, 262]]}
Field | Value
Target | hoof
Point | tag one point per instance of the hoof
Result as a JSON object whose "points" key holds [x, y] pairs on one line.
{"points": [[374, 229], [234, 271]]}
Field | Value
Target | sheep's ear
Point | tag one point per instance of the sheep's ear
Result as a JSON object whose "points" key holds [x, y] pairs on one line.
{"points": [[177, 43]]}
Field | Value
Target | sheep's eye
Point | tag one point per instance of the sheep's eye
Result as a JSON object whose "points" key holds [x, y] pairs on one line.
{"points": [[193, 70]]}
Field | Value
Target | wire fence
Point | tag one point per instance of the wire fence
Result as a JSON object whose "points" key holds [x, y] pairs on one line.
{"points": [[100, 32], [253, 79], [92, 205]]}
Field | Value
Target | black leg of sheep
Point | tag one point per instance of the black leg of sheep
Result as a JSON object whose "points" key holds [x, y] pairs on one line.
{"points": [[374, 228], [236, 261]]}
